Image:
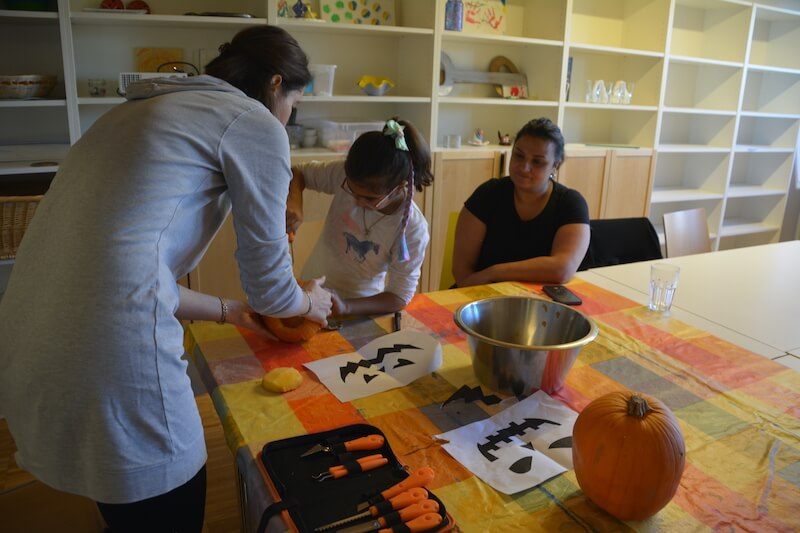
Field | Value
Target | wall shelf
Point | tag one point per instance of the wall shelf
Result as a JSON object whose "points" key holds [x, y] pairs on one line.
{"points": [[667, 195], [33, 103], [156, 21]]}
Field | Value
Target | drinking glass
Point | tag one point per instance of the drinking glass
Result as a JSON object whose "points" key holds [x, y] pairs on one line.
{"points": [[663, 282]]}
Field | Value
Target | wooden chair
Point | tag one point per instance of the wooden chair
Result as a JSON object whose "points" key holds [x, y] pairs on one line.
{"points": [[447, 280], [686, 232], [617, 241]]}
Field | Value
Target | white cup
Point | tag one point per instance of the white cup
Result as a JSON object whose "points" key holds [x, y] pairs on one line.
{"points": [[663, 282], [452, 141]]}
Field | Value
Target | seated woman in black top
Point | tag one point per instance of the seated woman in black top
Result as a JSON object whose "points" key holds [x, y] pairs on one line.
{"points": [[524, 226]]}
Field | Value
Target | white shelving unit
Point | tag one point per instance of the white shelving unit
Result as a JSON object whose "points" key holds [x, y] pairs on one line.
{"points": [[716, 84], [729, 117]]}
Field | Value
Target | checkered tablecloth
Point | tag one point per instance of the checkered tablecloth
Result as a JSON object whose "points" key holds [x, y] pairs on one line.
{"points": [[738, 412]]}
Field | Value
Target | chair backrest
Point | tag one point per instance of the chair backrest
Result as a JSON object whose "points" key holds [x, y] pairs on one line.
{"points": [[686, 232], [616, 241], [447, 280]]}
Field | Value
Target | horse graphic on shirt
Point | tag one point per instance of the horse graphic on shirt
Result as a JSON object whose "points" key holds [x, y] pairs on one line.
{"points": [[361, 248]]}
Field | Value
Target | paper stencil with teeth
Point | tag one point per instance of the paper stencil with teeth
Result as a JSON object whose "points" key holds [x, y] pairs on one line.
{"points": [[388, 362], [519, 447]]}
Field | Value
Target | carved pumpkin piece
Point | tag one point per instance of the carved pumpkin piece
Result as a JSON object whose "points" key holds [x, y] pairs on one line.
{"points": [[293, 329]]}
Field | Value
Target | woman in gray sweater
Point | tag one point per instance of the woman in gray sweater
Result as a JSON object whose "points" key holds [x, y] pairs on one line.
{"points": [[92, 382]]}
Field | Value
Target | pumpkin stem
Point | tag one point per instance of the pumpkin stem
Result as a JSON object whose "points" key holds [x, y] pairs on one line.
{"points": [[637, 406]]}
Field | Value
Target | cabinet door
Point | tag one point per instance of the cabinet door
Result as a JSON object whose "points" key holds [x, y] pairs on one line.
{"points": [[218, 272], [458, 174], [586, 172], [629, 183]]}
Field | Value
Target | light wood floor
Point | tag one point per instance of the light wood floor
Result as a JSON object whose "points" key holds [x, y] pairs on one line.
{"points": [[26, 505]]}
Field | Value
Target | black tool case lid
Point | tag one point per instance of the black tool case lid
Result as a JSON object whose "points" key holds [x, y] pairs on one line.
{"points": [[311, 503]]}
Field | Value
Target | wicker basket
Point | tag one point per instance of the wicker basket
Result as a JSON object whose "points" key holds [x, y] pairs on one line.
{"points": [[26, 86], [16, 213]]}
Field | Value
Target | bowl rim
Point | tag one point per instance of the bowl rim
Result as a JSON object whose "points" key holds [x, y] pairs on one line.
{"points": [[586, 339]]}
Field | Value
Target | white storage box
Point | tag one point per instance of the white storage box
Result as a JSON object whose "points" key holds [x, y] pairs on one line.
{"points": [[338, 136], [322, 82]]}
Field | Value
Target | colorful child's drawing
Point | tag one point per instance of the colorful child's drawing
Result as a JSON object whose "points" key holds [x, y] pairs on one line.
{"points": [[484, 16], [376, 12]]}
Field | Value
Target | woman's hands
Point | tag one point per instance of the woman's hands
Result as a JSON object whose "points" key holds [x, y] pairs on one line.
{"points": [[320, 301], [241, 314]]}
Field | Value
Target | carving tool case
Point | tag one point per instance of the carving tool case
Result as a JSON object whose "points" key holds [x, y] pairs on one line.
{"points": [[305, 503]]}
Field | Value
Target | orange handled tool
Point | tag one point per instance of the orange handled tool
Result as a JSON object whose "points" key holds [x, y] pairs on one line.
{"points": [[370, 442], [421, 523], [418, 478], [401, 501], [366, 463], [395, 517]]}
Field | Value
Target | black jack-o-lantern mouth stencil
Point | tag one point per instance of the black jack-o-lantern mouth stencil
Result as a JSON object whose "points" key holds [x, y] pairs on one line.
{"points": [[379, 362], [387, 362]]}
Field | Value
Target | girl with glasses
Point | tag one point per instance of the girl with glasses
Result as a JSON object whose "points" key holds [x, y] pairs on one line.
{"points": [[373, 243]]}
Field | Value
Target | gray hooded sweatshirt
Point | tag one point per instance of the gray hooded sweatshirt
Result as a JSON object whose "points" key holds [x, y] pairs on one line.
{"points": [[91, 377]]}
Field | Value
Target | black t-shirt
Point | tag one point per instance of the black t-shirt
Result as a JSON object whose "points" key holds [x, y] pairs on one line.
{"points": [[508, 238]]}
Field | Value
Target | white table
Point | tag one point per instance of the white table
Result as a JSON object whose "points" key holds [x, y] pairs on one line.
{"points": [[748, 296]]}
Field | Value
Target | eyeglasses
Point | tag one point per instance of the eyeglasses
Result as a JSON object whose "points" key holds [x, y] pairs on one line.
{"points": [[372, 202]]}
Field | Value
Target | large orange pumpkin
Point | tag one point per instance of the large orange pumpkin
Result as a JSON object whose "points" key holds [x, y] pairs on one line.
{"points": [[628, 453], [294, 329]]}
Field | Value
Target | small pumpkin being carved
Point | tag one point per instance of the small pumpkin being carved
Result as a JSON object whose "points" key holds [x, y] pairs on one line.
{"points": [[628, 452], [294, 329]]}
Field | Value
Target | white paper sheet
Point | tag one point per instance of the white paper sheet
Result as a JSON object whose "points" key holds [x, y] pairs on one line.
{"points": [[388, 362], [519, 447]]}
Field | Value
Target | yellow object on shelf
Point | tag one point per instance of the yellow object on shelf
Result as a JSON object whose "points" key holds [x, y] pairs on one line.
{"points": [[374, 85]]}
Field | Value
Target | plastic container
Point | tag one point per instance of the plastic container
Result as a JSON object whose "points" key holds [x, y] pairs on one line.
{"points": [[322, 82], [339, 136]]}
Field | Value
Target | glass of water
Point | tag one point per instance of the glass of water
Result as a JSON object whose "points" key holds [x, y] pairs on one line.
{"points": [[663, 282]]}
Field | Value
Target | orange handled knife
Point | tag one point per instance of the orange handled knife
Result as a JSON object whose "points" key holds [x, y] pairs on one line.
{"points": [[401, 501], [370, 442], [395, 517], [418, 478]]}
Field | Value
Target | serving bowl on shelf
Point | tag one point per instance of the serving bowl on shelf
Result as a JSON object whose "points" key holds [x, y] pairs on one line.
{"points": [[375, 86], [520, 345], [25, 86]]}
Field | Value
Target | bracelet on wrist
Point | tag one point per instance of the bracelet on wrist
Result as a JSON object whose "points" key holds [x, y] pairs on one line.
{"points": [[223, 311], [310, 303]]}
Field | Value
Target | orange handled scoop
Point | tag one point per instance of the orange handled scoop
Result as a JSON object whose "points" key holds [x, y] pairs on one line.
{"points": [[411, 512], [361, 460], [366, 463], [421, 523], [418, 478]]}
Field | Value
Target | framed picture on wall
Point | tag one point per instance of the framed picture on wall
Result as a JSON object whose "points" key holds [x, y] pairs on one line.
{"points": [[484, 16], [376, 12]]}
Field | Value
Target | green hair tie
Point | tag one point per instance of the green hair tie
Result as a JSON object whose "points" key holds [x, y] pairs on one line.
{"points": [[395, 130]]}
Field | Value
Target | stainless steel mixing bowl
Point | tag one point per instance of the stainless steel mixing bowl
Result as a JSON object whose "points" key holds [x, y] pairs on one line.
{"points": [[520, 344]]}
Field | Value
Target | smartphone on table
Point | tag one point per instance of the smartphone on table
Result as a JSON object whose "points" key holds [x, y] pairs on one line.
{"points": [[561, 294]]}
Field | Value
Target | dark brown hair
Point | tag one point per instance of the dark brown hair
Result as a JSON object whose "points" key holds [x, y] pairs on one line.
{"points": [[544, 128], [255, 55], [375, 162]]}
